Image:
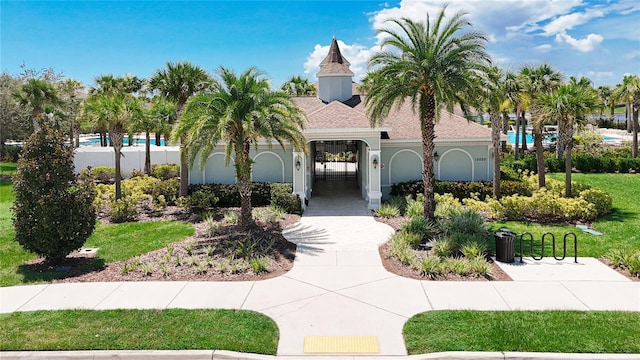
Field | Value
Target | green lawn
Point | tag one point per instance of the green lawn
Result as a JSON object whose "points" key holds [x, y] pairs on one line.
{"points": [[527, 331], [116, 242], [7, 168], [621, 228], [243, 331]]}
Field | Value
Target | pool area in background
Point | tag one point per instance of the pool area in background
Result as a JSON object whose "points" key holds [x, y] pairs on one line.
{"points": [[529, 138], [93, 141]]}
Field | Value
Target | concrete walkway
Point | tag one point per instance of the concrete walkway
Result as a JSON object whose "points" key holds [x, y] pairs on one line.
{"points": [[338, 286]]}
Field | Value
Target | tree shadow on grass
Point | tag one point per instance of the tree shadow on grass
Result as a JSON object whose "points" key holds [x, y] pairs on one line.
{"points": [[619, 215], [70, 267]]}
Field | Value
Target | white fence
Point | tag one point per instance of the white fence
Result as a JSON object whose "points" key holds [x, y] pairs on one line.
{"points": [[132, 157]]}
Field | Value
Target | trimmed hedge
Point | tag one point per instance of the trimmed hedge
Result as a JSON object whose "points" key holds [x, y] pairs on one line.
{"points": [[283, 197], [618, 160], [462, 189], [262, 194]]}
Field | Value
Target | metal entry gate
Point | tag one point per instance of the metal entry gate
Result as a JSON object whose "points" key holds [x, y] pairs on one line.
{"points": [[336, 160]]}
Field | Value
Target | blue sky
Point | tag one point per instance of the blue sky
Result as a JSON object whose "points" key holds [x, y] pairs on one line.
{"points": [[84, 39]]}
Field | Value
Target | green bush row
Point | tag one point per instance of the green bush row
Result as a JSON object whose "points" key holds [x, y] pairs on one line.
{"points": [[461, 189], [262, 194], [608, 162]]}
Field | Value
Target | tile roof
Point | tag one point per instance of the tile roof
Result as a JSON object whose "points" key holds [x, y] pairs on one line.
{"points": [[403, 123]]}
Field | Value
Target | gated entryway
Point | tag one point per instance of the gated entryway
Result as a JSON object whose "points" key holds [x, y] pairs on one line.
{"points": [[336, 160]]}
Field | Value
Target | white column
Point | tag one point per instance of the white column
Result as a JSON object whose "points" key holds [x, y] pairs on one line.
{"points": [[374, 194], [299, 177]]}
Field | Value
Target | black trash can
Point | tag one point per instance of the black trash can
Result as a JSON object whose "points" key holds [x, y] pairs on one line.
{"points": [[505, 246]]}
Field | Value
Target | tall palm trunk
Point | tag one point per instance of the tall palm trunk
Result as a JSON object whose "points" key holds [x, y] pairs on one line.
{"points": [[628, 112], [495, 142], [567, 168], [505, 123], [243, 165], [157, 137], [184, 167], [517, 144], [147, 153], [634, 146], [428, 105], [537, 143], [184, 156], [523, 123], [116, 141]]}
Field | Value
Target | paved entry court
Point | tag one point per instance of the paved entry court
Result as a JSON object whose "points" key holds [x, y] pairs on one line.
{"points": [[337, 253]]}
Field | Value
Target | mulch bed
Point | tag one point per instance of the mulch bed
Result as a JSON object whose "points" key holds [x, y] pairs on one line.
{"points": [[82, 266], [393, 265]]}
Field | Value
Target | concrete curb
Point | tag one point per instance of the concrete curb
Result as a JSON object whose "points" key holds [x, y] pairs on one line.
{"points": [[232, 355]]}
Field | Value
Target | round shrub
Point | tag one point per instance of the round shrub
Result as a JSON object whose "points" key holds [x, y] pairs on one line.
{"points": [[53, 213], [104, 174], [577, 209], [600, 199], [165, 171], [123, 210]]}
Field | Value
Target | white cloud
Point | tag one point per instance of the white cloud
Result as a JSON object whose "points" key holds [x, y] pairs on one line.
{"points": [[544, 48], [585, 45], [632, 55], [569, 21], [600, 75], [355, 53]]}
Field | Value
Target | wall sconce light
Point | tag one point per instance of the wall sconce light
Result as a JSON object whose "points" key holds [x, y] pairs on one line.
{"points": [[436, 156], [375, 162], [298, 163]]}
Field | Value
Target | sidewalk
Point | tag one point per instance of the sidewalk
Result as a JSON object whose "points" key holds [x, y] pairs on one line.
{"points": [[338, 287]]}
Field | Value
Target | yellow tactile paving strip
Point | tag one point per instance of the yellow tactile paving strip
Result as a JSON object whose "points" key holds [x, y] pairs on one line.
{"points": [[341, 345]]}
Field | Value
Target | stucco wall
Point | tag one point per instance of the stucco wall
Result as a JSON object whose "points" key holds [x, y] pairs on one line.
{"points": [[132, 157], [270, 165], [457, 162]]}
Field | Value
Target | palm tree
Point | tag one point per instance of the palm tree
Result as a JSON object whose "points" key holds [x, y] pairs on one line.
{"points": [[432, 65], [164, 114], [495, 96], [147, 123], [606, 100], [570, 105], [629, 92], [109, 84], [117, 111], [515, 101], [566, 132], [240, 111], [177, 83], [296, 85], [535, 82], [37, 94]]}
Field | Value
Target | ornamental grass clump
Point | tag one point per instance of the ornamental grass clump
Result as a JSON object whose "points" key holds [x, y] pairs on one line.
{"points": [[422, 227], [431, 267], [388, 210]]}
